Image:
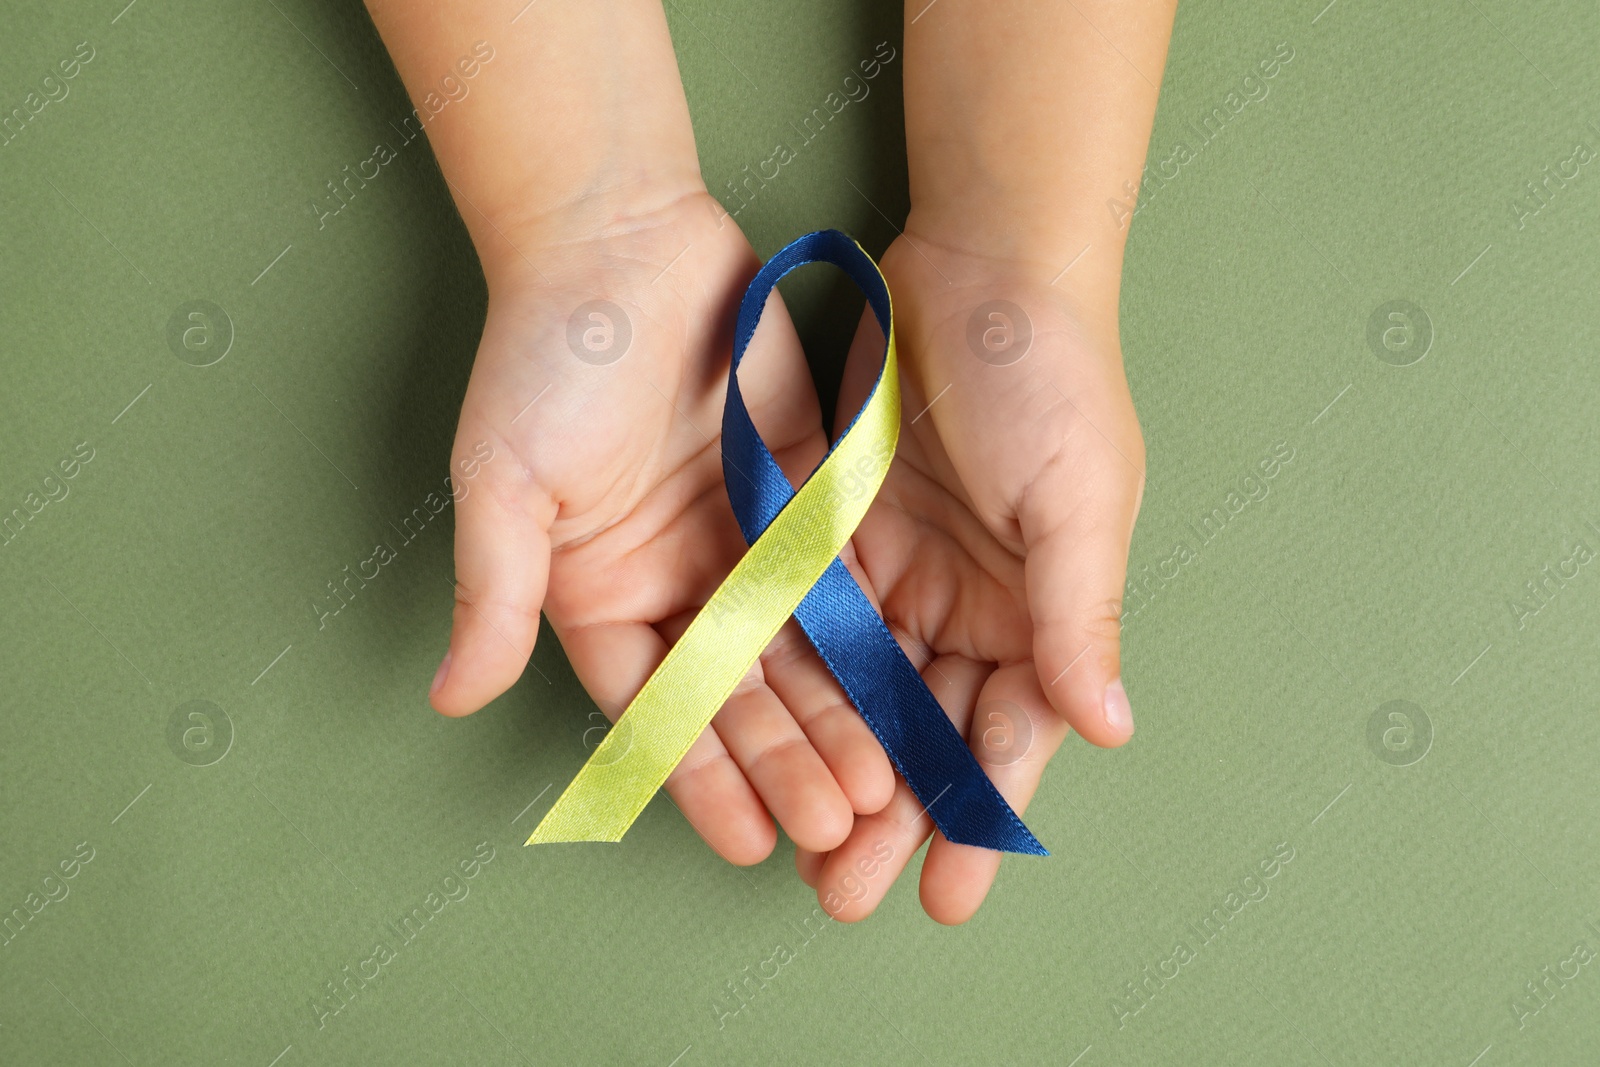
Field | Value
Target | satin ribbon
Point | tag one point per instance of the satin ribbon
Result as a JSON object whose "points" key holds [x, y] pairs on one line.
{"points": [[792, 568]]}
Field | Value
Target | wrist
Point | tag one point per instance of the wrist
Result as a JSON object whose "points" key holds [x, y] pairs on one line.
{"points": [[578, 121], [531, 239], [1043, 248]]}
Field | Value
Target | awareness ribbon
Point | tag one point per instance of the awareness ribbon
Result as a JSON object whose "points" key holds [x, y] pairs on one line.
{"points": [[793, 568]]}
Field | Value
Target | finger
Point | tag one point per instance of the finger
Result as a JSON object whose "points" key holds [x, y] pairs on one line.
{"points": [[856, 875], [808, 865], [502, 554], [835, 729], [1077, 537], [1014, 733], [613, 661], [718, 801], [776, 757], [787, 773]]}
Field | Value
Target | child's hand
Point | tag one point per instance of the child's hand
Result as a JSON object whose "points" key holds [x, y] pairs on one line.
{"points": [[998, 544], [574, 167], [604, 503]]}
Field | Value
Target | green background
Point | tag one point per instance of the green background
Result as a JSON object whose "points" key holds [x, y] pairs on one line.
{"points": [[1423, 893]]}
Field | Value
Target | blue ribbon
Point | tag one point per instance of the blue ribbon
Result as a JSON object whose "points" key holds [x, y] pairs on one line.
{"points": [[838, 619]]}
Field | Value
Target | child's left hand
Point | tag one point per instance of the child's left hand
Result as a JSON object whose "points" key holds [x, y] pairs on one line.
{"points": [[998, 544]]}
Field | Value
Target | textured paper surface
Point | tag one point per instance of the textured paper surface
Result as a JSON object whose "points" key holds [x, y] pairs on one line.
{"points": [[336, 814]]}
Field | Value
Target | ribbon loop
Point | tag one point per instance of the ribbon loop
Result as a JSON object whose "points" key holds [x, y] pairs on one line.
{"points": [[793, 568]]}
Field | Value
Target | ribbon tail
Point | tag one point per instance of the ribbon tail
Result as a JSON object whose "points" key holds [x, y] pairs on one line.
{"points": [[924, 745]]}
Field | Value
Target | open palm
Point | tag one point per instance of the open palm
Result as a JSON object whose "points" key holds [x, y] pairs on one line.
{"points": [[598, 390], [997, 547]]}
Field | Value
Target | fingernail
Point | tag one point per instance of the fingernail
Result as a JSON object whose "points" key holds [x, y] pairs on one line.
{"points": [[440, 674], [1119, 713]]}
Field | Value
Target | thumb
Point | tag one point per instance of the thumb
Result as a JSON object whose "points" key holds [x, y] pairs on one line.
{"points": [[1077, 528], [502, 568]]}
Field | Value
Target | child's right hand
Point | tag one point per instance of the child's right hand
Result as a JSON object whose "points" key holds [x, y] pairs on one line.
{"points": [[603, 501]]}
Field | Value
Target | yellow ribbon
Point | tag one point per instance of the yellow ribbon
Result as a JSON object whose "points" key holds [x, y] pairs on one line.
{"points": [[729, 634]]}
